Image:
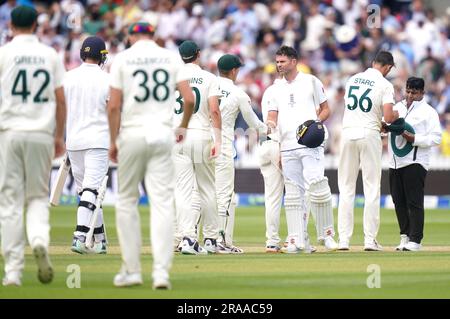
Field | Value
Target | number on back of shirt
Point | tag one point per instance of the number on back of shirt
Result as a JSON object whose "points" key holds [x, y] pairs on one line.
{"points": [[160, 90], [180, 109], [363, 101], [20, 85]]}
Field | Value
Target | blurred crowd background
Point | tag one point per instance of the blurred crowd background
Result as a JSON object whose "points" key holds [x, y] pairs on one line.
{"points": [[335, 39]]}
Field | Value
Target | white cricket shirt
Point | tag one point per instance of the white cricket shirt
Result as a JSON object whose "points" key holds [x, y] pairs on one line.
{"points": [[365, 95], [29, 74], [296, 102], [428, 133], [147, 74], [234, 100], [87, 90], [204, 85]]}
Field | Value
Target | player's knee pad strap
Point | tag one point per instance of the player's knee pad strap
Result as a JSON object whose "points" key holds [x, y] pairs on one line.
{"points": [[99, 230], [319, 191], [82, 228], [93, 191], [88, 205]]}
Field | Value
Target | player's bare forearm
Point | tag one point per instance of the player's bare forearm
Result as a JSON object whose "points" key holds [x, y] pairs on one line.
{"points": [[216, 118], [324, 111], [61, 113], [390, 115], [272, 120], [113, 108], [410, 137]]}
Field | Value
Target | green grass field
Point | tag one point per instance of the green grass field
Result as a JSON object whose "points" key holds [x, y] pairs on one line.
{"points": [[255, 274]]}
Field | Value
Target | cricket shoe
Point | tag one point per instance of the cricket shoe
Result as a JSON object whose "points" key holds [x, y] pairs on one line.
{"points": [[99, 248], [191, 247], [161, 284], [291, 248], [412, 246], [272, 249], [308, 249], [343, 245], [404, 240], [372, 246], [45, 269], [12, 278], [210, 245], [79, 245], [223, 249], [235, 249], [330, 243], [124, 279]]}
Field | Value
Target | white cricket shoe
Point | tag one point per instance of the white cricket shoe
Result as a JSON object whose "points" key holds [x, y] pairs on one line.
{"points": [[12, 278], [372, 246], [45, 269], [404, 239], [412, 246], [210, 245], [344, 245], [291, 248], [123, 279], [161, 284], [272, 249], [330, 243], [191, 247]]}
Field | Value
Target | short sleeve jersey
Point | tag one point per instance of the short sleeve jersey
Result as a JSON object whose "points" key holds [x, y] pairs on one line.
{"points": [[87, 91], [365, 95], [147, 75], [234, 100], [204, 85], [29, 74], [295, 102]]}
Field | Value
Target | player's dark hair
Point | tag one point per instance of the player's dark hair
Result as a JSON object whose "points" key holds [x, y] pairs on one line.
{"points": [[290, 52], [384, 58], [190, 60], [415, 83]]}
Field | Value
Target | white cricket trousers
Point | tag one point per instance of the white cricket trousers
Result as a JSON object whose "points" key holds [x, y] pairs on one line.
{"points": [[300, 167], [270, 165], [365, 151], [89, 167], [152, 163], [192, 158], [26, 160], [225, 188]]}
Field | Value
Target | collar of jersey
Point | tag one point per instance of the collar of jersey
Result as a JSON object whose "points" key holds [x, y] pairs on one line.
{"points": [[374, 71], [193, 65], [25, 38], [89, 65], [297, 78], [225, 79], [145, 42], [414, 104]]}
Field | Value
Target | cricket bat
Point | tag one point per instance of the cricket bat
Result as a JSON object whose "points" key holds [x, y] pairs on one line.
{"points": [[98, 204], [58, 185]]}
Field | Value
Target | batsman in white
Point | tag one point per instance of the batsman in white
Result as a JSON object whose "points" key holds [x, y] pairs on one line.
{"points": [[368, 97], [233, 101], [87, 91], [32, 118], [143, 82], [195, 156], [303, 167], [270, 165]]}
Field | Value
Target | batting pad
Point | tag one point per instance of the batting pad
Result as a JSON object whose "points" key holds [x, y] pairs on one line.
{"points": [[294, 215], [319, 196]]}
